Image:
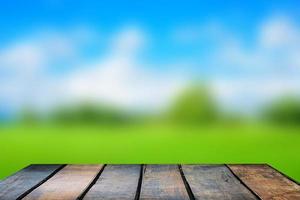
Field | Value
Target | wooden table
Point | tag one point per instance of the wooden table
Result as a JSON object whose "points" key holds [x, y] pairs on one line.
{"points": [[180, 182]]}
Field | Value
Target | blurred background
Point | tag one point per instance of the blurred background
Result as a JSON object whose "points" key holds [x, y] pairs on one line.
{"points": [[150, 82]]}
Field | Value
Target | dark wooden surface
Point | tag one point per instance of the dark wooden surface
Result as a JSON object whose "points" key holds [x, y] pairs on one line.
{"points": [[169, 182], [215, 182], [67, 184], [163, 182], [266, 182], [116, 182], [18, 184]]}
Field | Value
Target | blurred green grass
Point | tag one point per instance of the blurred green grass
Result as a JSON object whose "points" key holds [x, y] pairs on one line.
{"points": [[254, 143]]}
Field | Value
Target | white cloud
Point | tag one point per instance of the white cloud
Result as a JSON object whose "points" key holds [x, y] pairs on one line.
{"points": [[275, 45], [116, 77], [256, 73], [24, 78], [119, 78], [276, 48], [271, 67], [38, 51], [26, 56], [279, 32], [247, 94], [129, 41]]}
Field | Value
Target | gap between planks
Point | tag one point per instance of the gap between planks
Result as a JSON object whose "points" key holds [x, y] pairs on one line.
{"points": [[140, 181], [139, 185], [92, 183], [41, 182], [143, 169], [243, 183], [186, 184]]}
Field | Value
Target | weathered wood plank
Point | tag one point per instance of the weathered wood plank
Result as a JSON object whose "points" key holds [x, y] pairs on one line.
{"points": [[67, 184], [116, 182], [163, 182], [215, 182], [266, 182], [14, 186]]}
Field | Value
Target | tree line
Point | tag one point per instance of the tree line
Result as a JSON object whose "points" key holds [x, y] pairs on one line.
{"points": [[194, 105]]}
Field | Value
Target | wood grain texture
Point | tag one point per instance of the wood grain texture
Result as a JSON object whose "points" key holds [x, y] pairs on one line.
{"points": [[215, 182], [14, 186], [67, 184], [163, 182], [116, 182], [266, 182]]}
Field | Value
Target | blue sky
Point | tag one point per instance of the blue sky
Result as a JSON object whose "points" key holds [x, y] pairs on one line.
{"points": [[21, 18], [140, 53], [18, 17]]}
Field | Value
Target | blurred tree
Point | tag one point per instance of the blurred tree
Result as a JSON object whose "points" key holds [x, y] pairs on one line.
{"points": [[284, 110], [89, 113], [195, 105], [29, 116]]}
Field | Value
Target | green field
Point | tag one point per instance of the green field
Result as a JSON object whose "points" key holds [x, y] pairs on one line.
{"points": [[255, 143]]}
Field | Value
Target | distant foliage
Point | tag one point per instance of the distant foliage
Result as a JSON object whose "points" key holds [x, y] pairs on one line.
{"points": [[89, 113], [284, 110], [194, 105], [29, 116]]}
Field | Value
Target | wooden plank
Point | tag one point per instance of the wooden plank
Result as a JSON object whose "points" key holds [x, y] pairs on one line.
{"points": [[163, 182], [266, 182], [116, 182], [215, 182], [14, 186], [67, 184]]}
